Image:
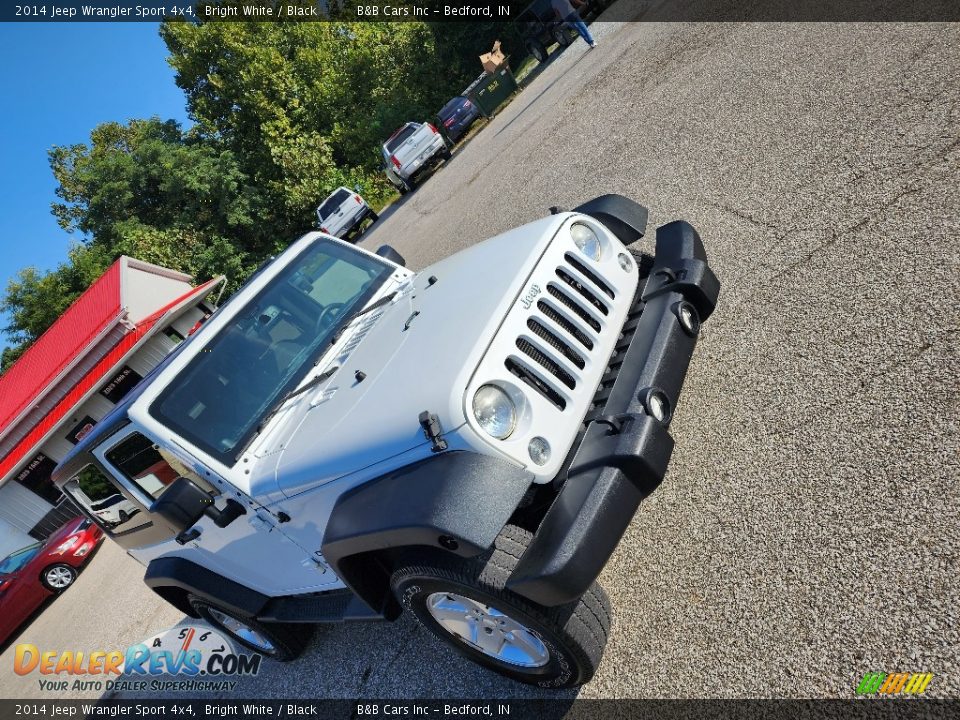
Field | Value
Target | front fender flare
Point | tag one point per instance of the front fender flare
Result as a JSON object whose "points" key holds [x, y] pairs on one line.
{"points": [[454, 502]]}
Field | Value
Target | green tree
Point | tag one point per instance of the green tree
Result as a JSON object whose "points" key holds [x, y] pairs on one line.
{"points": [[148, 190], [285, 112], [34, 300], [325, 93]]}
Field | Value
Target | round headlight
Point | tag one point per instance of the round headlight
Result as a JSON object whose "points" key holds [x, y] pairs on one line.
{"points": [[494, 411], [585, 239]]}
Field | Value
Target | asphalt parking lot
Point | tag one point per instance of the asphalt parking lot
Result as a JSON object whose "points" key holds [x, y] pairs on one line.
{"points": [[808, 530]]}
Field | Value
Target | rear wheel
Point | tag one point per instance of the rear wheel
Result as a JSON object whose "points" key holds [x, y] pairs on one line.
{"points": [[283, 642], [465, 603], [536, 48], [559, 33], [59, 577], [373, 217]]}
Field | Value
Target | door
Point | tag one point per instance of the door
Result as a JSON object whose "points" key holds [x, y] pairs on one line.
{"points": [[253, 550]]}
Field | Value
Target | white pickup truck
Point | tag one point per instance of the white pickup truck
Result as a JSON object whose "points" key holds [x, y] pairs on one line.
{"points": [[343, 212], [410, 151], [346, 439]]}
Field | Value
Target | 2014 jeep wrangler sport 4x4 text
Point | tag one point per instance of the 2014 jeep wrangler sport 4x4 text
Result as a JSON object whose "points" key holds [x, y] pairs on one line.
{"points": [[345, 438]]}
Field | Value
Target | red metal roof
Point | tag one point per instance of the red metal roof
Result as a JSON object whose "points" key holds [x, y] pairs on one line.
{"points": [[95, 375], [60, 346]]}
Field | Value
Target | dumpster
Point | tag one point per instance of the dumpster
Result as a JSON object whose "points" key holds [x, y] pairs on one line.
{"points": [[491, 90]]}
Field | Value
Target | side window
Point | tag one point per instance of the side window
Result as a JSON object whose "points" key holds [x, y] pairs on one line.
{"points": [[147, 466], [103, 501]]}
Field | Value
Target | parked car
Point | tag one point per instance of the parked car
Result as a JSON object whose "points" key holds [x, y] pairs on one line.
{"points": [[411, 151], [30, 575], [343, 212], [457, 116], [114, 510], [469, 443]]}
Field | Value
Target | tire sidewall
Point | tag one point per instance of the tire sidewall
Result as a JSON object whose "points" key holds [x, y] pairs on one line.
{"points": [[413, 591]]}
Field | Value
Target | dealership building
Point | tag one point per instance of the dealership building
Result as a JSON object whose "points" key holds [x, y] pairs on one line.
{"points": [[73, 375]]}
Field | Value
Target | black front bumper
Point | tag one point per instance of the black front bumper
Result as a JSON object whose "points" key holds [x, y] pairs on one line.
{"points": [[624, 451]]}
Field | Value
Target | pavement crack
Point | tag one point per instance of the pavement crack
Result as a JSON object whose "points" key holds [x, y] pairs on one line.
{"points": [[897, 364], [746, 217]]}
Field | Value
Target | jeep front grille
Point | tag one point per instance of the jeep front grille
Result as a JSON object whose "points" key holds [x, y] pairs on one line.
{"points": [[564, 329]]}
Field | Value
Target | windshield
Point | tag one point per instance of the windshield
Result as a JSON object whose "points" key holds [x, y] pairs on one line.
{"points": [[14, 561], [332, 203], [217, 401], [398, 139]]}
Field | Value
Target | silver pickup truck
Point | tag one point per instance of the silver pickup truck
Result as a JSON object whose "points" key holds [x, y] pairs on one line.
{"points": [[410, 151]]}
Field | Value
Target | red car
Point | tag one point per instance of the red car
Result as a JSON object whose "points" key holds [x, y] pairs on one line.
{"points": [[31, 574]]}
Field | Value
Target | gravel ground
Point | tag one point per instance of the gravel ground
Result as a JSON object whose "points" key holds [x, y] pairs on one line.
{"points": [[808, 529]]}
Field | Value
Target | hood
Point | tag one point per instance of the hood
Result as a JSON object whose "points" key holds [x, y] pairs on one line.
{"points": [[417, 356]]}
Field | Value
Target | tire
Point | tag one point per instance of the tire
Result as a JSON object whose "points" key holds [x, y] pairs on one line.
{"points": [[560, 647], [408, 185], [57, 578], [446, 154], [373, 217], [559, 33], [536, 48], [278, 641]]}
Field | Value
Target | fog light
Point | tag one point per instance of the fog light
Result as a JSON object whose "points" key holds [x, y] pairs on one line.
{"points": [[539, 450], [624, 261], [657, 405], [689, 318]]}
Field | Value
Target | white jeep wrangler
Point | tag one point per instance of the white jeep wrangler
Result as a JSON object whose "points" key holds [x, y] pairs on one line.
{"points": [[346, 438]]}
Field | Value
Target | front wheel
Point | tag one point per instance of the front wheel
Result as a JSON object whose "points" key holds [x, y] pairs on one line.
{"points": [[59, 577], [465, 603], [278, 641]]}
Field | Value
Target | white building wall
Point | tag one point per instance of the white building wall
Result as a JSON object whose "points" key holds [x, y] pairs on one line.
{"points": [[11, 538], [20, 510], [148, 287]]}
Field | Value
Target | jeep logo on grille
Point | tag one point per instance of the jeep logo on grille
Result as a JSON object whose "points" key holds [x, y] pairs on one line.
{"points": [[527, 300]]}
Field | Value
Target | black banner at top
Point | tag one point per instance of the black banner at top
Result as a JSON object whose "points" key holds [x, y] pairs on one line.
{"points": [[497, 11]]}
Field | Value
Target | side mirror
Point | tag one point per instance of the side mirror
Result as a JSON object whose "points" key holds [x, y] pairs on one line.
{"points": [[184, 502], [388, 253]]}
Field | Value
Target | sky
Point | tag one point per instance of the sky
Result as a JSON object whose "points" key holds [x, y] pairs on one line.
{"points": [[58, 81]]}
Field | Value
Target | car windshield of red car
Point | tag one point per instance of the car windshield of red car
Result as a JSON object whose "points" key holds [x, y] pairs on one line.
{"points": [[14, 561]]}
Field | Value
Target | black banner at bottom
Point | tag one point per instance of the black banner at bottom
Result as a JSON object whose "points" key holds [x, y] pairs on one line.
{"points": [[210, 709]]}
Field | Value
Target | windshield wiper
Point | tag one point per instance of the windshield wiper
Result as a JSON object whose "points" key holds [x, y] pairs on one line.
{"points": [[325, 375], [359, 313]]}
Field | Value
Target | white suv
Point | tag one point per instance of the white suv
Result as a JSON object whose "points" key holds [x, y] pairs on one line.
{"points": [[343, 212], [346, 439]]}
